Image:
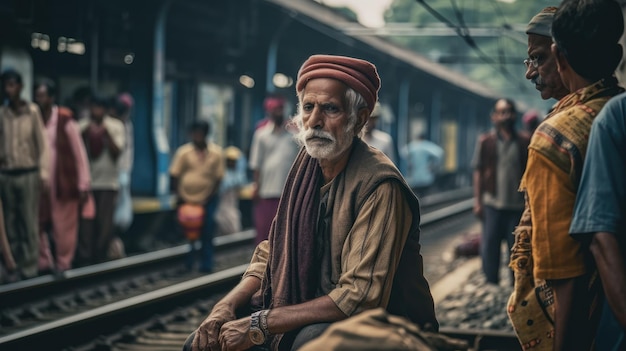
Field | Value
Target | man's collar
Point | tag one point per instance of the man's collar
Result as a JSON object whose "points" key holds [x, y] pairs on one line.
{"points": [[592, 91], [23, 107]]}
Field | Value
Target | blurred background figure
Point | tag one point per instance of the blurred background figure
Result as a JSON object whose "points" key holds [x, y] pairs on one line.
{"points": [[499, 162], [69, 182], [531, 120], [272, 152], [123, 216], [104, 139], [228, 215], [196, 172], [377, 138], [270, 104], [24, 173], [81, 102], [423, 158]]}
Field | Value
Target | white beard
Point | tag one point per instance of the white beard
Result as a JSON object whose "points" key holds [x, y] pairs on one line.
{"points": [[326, 149]]}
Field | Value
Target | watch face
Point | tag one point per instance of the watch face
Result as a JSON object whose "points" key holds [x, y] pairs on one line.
{"points": [[257, 336]]}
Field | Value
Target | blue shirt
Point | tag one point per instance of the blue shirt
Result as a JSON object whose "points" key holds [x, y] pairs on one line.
{"points": [[601, 199], [423, 160]]}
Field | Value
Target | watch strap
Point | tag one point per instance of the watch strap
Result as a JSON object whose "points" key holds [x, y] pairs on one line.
{"points": [[255, 319], [263, 322]]}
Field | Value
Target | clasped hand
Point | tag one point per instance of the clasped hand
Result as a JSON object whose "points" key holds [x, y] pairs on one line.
{"points": [[221, 331]]}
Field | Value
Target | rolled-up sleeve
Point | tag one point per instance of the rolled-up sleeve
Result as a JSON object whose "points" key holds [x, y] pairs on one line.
{"points": [[551, 198], [372, 251], [258, 261]]}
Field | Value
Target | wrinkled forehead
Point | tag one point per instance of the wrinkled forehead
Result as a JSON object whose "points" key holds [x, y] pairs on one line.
{"points": [[538, 43], [328, 88]]}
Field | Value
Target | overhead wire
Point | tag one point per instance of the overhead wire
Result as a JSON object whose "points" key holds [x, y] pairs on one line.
{"points": [[501, 45], [463, 32]]}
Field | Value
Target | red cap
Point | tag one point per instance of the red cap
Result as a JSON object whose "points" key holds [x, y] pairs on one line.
{"points": [[358, 74]]}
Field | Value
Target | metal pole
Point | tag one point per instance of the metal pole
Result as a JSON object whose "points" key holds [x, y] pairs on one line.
{"points": [[272, 56], [161, 143], [403, 121], [94, 52], [434, 124]]}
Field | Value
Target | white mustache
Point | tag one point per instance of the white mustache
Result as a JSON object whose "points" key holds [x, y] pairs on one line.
{"points": [[314, 133], [537, 80]]}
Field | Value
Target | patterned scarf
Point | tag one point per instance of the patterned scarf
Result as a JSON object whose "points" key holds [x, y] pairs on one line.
{"points": [[292, 241]]}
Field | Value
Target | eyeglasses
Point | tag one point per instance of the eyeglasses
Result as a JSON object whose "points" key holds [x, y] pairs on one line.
{"points": [[532, 61]]}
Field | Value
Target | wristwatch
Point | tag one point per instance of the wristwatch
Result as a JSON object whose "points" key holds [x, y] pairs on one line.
{"points": [[256, 334]]}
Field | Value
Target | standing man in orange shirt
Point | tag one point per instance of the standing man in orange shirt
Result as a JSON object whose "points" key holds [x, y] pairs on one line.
{"points": [[196, 172]]}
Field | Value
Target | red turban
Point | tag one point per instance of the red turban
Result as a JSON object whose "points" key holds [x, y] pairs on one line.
{"points": [[273, 102], [359, 75]]}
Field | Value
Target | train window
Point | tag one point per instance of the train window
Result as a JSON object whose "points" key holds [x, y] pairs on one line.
{"points": [[449, 134], [216, 106]]}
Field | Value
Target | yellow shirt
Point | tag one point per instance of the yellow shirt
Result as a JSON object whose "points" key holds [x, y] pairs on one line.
{"points": [[551, 198], [555, 159], [198, 171]]}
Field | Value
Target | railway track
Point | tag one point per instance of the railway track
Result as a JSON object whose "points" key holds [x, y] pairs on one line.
{"points": [[154, 297]]}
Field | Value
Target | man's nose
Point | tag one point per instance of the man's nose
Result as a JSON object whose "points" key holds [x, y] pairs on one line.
{"points": [[531, 72], [316, 118]]}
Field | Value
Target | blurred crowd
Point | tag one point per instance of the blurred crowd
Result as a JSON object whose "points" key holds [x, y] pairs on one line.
{"points": [[64, 178]]}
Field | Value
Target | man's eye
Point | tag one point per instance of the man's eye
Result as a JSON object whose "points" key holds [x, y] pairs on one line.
{"points": [[307, 107], [331, 109]]}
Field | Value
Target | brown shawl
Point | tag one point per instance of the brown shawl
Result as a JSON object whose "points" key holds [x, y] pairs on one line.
{"points": [[292, 240]]}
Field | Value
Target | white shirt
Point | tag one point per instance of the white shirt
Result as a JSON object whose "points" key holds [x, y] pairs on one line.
{"points": [[271, 154]]}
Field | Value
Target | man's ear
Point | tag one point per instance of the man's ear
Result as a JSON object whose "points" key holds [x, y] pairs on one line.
{"points": [[561, 61], [361, 119]]}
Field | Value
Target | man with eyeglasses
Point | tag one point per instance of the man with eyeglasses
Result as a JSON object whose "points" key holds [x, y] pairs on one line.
{"points": [[540, 65], [554, 305]]}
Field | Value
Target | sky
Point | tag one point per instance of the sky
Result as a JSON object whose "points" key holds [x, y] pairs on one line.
{"points": [[370, 12]]}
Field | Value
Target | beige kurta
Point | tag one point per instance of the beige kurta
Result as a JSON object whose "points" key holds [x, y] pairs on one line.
{"points": [[199, 172]]}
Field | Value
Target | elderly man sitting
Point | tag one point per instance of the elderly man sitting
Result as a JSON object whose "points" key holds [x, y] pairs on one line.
{"points": [[346, 235]]}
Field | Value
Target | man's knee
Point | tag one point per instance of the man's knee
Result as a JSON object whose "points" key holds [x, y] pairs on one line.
{"points": [[187, 345]]}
